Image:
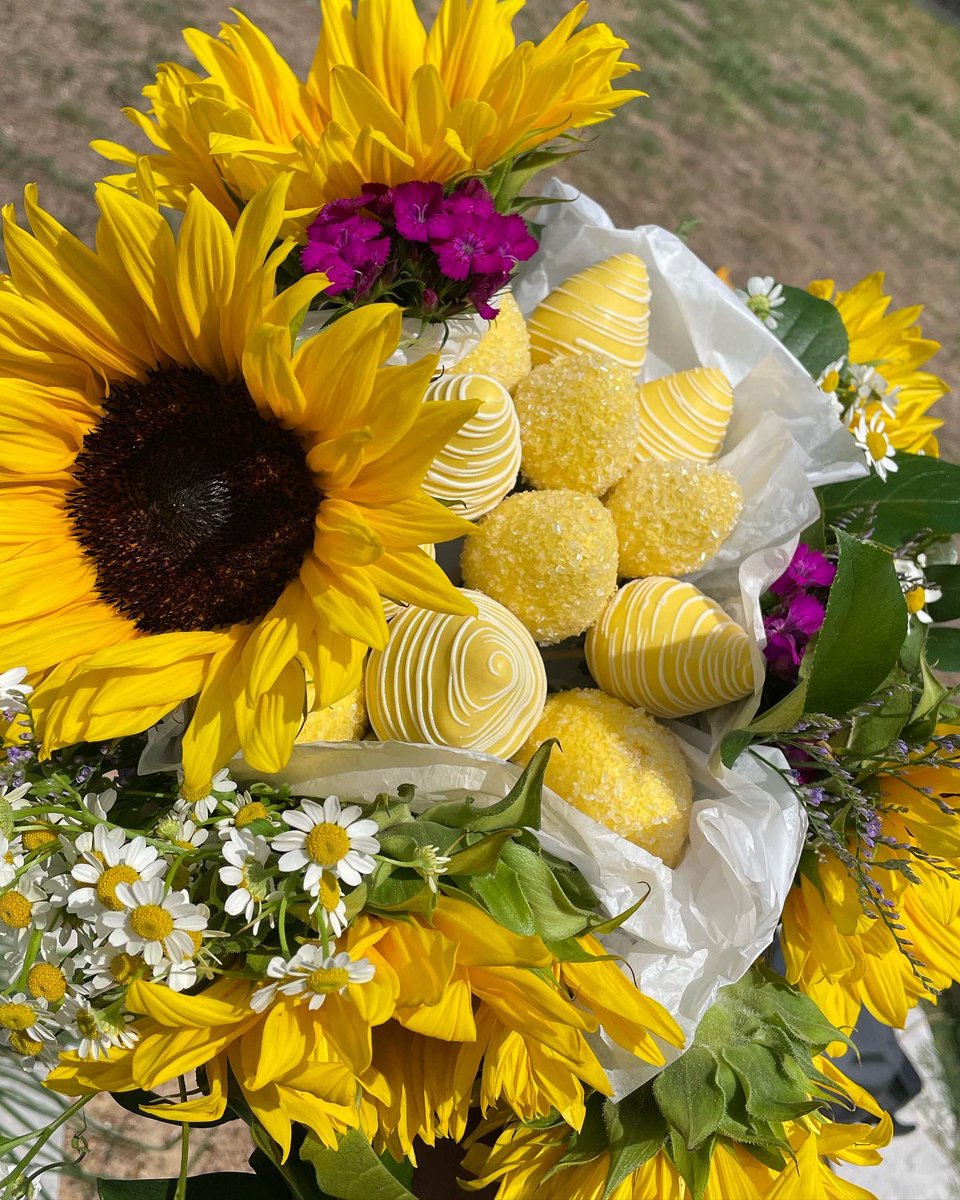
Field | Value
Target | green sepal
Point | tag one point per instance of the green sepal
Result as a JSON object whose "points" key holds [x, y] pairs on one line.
{"points": [[693, 1165], [398, 893], [502, 896], [636, 1131], [555, 916], [612, 924], [480, 855], [690, 1097], [586, 1143], [519, 809]]}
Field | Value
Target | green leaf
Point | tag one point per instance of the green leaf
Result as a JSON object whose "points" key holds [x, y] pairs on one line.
{"points": [[882, 726], [353, 1171], [733, 745], [636, 1131], [924, 494], [689, 1095], [947, 577], [480, 856], [221, 1185], [943, 648], [812, 330], [520, 808], [554, 915]]}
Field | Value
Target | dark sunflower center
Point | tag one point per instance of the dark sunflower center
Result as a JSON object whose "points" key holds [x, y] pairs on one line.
{"points": [[196, 511]]}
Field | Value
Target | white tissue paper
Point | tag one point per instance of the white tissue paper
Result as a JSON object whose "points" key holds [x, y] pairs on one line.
{"points": [[703, 923]]}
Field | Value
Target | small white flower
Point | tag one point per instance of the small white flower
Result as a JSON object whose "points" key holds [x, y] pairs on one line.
{"points": [[13, 691], [153, 924], [110, 967], [872, 388], [51, 979], [181, 831], [15, 798], [330, 902], [29, 1018], [202, 807], [99, 804], [324, 837], [871, 438], [24, 908], [93, 1033], [246, 873], [917, 590], [11, 860], [311, 975], [107, 861], [762, 296], [244, 810], [430, 864]]}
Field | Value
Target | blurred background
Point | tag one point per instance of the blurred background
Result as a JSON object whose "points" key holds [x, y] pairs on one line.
{"points": [[806, 139]]}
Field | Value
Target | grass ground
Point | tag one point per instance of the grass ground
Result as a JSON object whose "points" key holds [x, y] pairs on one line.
{"points": [[807, 138]]}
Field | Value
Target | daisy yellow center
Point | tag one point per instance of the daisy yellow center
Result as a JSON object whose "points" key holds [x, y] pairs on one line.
{"points": [[125, 968], [87, 1023], [916, 598], [46, 982], [327, 844], [15, 910], [324, 980], [151, 922], [17, 1016], [250, 813], [196, 511], [196, 937], [9, 858], [877, 445], [36, 839], [329, 893], [108, 882], [23, 1044]]}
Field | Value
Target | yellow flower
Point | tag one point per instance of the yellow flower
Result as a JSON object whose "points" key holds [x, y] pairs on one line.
{"points": [[521, 1160], [200, 509], [891, 342], [386, 101], [844, 959]]}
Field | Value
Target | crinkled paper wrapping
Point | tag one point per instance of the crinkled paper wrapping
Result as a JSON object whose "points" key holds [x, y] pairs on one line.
{"points": [[702, 924]]}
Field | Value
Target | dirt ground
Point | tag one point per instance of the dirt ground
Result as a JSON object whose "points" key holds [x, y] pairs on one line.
{"points": [[808, 138]]}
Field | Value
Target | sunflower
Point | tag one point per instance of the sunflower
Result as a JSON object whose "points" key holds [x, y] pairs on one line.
{"points": [[845, 959], [202, 510], [892, 344], [386, 101]]}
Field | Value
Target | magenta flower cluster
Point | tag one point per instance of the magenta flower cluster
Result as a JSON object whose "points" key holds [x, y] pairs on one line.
{"points": [[435, 252], [798, 610]]}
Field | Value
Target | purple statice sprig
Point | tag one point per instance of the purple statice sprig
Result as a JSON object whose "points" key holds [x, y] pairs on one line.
{"points": [[796, 610], [435, 252]]}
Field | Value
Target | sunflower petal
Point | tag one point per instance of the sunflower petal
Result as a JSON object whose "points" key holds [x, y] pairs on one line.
{"points": [[412, 577], [346, 601], [269, 728]]}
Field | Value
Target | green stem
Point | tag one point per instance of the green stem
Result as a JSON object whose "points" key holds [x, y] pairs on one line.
{"points": [[9, 1184], [181, 1192]]}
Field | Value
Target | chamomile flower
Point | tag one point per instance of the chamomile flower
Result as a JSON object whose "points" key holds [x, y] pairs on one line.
{"points": [[246, 874], [11, 859], [21, 1015], [917, 590], [92, 1033], [181, 831], [110, 967], [221, 787], [762, 297], [325, 837], [107, 861], [182, 975], [244, 810], [330, 903], [831, 382], [52, 980], [154, 924], [99, 804], [24, 908], [430, 864], [15, 798], [313, 976], [871, 437], [13, 691], [870, 387]]}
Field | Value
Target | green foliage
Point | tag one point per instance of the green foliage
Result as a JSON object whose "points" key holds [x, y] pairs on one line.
{"points": [[351, 1172], [923, 496], [812, 330], [943, 648], [221, 1185]]}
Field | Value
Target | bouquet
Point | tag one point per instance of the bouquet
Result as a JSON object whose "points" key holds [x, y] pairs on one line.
{"points": [[449, 644]]}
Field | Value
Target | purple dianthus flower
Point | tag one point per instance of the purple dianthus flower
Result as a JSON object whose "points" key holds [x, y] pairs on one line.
{"points": [[808, 568], [414, 207]]}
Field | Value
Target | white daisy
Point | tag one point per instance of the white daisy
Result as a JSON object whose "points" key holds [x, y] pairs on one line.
{"points": [[205, 806], [917, 590], [110, 967], [871, 438], [107, 861], [52, 979], [244, 810], [324, 837], [312, 975], [330, 902], [24, 908], [21, 1015], [153, 924], [11, 859], [92, 1033], [15, 798], [872, 388], [246, 874], [13, 691], [181, 831], [762, 296], [99, 804]]}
